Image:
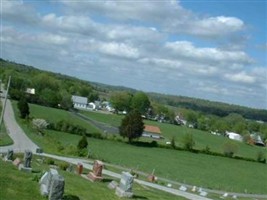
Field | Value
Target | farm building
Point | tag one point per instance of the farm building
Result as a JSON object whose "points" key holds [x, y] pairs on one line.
{"points": [[79, 102], [234, 136], [152, 132]]}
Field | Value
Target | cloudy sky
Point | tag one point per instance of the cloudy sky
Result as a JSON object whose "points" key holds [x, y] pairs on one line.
{"points": [[208, 49]]}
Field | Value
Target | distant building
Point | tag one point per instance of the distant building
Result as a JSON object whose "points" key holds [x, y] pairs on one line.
{"points": [[30, 90], [79, 102], [257, 140], [234, 136], [152, 132]]}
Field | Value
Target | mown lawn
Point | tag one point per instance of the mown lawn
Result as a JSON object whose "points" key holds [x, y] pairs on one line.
{"points": [[196, 169], [202, 139], [4, 137]]}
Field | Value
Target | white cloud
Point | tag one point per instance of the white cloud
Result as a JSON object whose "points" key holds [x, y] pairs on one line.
{"points": [[188, 50], [119, 49], [242, 77]]}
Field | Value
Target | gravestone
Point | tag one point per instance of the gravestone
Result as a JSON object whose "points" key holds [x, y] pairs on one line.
{"points": [[183, 188], [17, 162], [125, 186], [27, 162], [96, 174], [203, 193], [151, 178], [112, 185], [27, 158], [194, 189], [9, 156], [46, 181], [56, 190], [79, 168]]}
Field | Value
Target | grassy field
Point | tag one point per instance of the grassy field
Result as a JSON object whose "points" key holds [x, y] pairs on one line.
{"points": [[16, 184], [196, 169], [202, 139]]}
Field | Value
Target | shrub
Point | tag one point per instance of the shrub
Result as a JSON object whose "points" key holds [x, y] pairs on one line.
{"points": [[173, 145], [49, 161], [261, 157], [63, 165], [188, 142], [229, 149], [82, 144]]}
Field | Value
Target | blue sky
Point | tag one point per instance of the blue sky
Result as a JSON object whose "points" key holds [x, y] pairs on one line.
{"points": [[213, 50]]}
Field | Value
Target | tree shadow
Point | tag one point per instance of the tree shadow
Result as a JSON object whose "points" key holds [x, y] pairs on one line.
{"points": [[145, 144], [139, 197]]}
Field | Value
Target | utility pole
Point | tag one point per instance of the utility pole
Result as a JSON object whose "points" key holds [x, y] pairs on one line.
{"points": [[4, 106]]}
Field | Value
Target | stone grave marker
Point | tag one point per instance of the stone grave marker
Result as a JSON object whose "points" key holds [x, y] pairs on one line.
{"points": [[194, 189], [79, 168], [9, 156], [183, 188], [27, 162], [57, 188], [17, 162], [125, 187], [96, 174], [112, 185], [46, 181], [203, 193]]}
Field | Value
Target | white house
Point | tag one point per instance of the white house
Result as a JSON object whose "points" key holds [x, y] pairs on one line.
{"points": [[79, 102], [234, 136]]}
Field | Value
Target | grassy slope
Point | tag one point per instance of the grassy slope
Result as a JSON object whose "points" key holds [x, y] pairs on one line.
{"points": [[15, 183], [4, 137], [216, 172], [202, 139]]}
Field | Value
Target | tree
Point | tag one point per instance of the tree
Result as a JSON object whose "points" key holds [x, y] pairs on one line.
{"points": [[140, 102], [23, 108], [132, 126], [82, 144], [121, 101]]}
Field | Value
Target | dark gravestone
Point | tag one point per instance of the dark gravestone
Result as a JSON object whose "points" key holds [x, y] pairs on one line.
{"points": [[57, 188], [9, 155], [27, 158]]}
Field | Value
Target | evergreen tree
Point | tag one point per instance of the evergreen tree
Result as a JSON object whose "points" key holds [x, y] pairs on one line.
{"points": [[132, 126], [23, 108], [82, 143]]}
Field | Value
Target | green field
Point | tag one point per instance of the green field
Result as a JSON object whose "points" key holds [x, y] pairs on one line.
{"points": [[202, 139], [17, 184], [196, 169]]}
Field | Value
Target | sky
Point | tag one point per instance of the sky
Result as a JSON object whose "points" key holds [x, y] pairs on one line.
{"points": [[215, 50]]}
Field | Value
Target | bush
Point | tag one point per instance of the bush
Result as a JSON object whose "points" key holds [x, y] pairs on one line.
{"points": [[188, 142], [173, 145], [63, 165], [261, 157], [82, 144], [49, 161], [230, 148]]}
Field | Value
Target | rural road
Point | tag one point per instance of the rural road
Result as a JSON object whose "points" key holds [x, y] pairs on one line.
{"points": [[22, 142]]}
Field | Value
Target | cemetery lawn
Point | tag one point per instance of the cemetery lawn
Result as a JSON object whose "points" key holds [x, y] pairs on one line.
{"points": [[4, 137], [202, 139], [196, 169], [17, 184]]}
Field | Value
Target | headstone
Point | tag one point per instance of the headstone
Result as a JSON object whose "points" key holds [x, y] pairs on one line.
{"points": [[169, 185], [225, 195], [27, 158], [16, 162], [56, 190], [234, 197], [46, 181], [9, 156], [79, 168], [96, 174], [125, 186], [194, 189], [112, 185], [151, 178], [39, 150], [203, 193], [183, 188]]}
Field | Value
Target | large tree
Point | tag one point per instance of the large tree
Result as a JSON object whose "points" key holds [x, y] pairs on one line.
{"points": [[23, 108], [132, 126], [140, 102], [121, 101]]}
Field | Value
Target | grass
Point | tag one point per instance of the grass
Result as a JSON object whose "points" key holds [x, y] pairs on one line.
{"points": [[195, 169], [4, 137], [15, 183], [202, 139]]}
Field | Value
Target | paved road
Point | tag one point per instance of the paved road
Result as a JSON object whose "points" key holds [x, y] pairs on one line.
{"points": [[21, 141]]}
